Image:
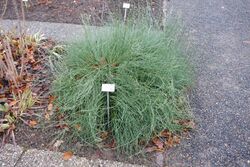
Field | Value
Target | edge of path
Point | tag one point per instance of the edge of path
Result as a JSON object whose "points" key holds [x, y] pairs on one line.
{"points": [[16, 156]]}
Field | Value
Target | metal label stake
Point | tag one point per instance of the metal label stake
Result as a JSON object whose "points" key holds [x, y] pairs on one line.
{"points": [[126, 6], [25, 3], [108, 88]]}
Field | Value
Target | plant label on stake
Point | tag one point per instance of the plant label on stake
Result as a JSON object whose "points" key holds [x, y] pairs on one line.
{"points": [[26, 3], [108, 88], [126, 6]]}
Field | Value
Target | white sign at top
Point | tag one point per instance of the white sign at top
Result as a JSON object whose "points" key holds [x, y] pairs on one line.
{"points": [[108, 87], [126, 5]]}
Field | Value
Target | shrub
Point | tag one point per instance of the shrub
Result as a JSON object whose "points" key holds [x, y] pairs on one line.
{"points": [[151, 78]]}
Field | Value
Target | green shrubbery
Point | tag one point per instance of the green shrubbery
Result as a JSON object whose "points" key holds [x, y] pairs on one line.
{"points": [[151, 78]]}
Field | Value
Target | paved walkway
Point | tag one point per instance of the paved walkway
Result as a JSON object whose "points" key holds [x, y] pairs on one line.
{"points": [[218, 31], [59, 32], [11, 156]]}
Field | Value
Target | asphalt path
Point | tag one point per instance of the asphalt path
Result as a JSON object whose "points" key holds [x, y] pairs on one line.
{"points": [[219, 33]]}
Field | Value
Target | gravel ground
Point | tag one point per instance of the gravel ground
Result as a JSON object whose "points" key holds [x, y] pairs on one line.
{"points": [[219, 31]]}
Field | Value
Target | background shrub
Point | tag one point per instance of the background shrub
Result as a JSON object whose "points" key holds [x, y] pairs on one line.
{"points": [[151, 78]]}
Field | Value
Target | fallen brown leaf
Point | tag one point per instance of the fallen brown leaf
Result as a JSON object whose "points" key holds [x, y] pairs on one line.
{"points": [[170, 142], [176, 140], [165, 133], [50, 107], [62, 126], [51, 99], [32, 123], [13, 103], [151, 149], [157, 141], [67, 155], [78, 127], [112, 144], [189, 124], [104, 135]]}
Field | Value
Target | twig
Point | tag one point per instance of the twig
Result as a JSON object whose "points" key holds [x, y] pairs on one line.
{"points": [[3, 140], [32, 108], [13, 137], [25, 122], [23, 16], [9, 67], [38, 107], [22, 41]]}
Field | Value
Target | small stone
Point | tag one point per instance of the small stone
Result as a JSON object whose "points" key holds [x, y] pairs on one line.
{"points": [[58, 143], [79, 145]]}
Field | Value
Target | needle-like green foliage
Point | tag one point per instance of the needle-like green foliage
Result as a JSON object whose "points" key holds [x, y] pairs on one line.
{"points": [[150, 74]]}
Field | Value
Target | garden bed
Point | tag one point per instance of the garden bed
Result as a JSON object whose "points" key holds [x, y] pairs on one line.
{"points": [[40, 127], [70, 11], [47, 128], [152, 84]]}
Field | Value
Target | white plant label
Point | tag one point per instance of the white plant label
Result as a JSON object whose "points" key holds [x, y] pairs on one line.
{"points": [[25, 0], [126, 5], [108, 87]]}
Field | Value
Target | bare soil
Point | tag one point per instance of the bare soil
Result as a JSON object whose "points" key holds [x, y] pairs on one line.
{"points": [[44, 138], [72, 11]]}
